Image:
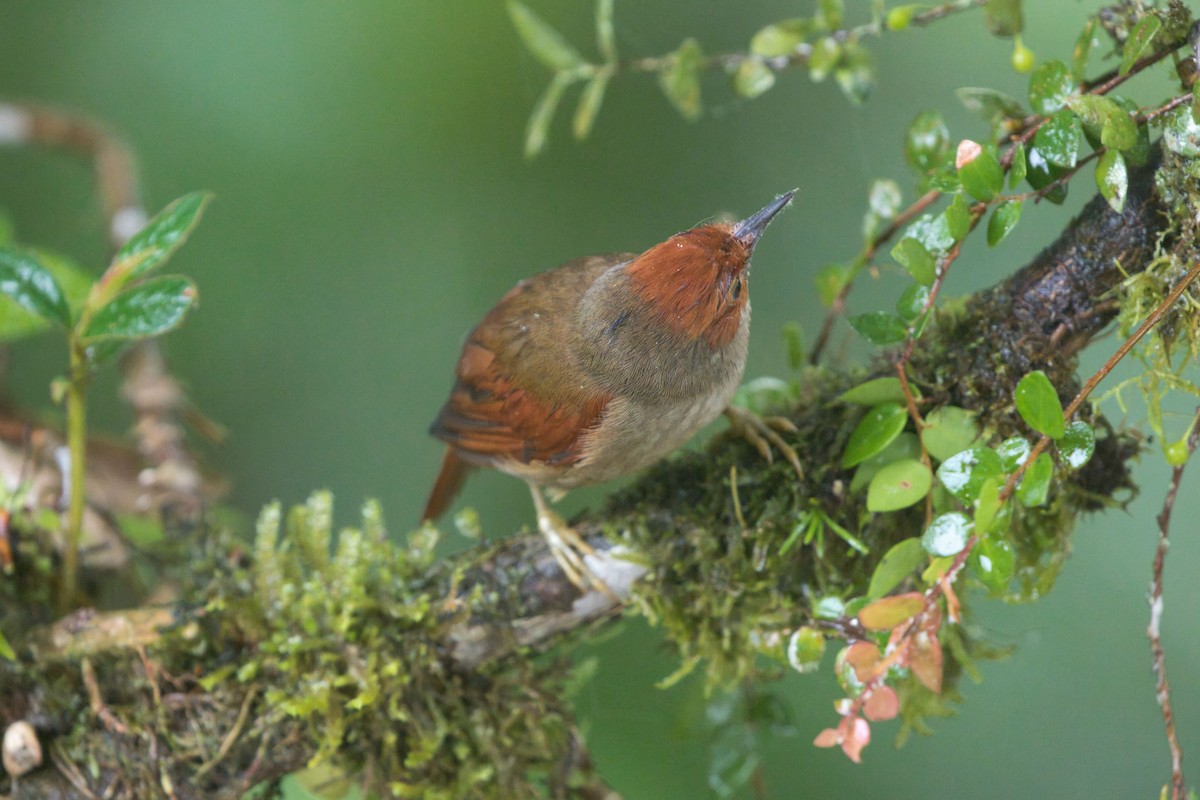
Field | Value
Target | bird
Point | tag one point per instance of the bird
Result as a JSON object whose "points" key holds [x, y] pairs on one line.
{"points": [[601, 367]]}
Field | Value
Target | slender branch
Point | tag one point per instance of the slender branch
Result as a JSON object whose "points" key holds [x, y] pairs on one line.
{"points": [[1162, 689]]}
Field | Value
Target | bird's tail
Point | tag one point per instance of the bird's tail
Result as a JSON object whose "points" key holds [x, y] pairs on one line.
{"points": [[445, 488]]}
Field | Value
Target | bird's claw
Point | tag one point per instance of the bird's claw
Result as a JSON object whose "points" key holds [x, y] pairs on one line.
{"points": [[764, 433], [570, 550]]}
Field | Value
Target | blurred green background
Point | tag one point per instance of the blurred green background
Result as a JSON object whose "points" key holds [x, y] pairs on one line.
{"points": [[373, 203]]}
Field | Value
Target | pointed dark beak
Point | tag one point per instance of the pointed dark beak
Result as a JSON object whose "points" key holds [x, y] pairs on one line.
{"points": [[749, 229]]}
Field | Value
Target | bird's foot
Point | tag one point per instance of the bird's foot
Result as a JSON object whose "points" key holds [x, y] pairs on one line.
{"points": [[764, 433], [570, 550]]}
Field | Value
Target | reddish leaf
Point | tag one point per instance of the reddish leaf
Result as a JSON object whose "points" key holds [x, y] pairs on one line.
{"points": [[925, 661], [827, 738], [887, 613], [882, 704], [857, 736], [864, 658]]}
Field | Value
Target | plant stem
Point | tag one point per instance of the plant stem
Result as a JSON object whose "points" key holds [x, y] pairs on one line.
{"points": [[76, 445]]}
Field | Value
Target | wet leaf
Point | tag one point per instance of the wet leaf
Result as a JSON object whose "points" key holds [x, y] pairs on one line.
{"points": [[919, 262], [958, 217], [1139, 41], [1000, 110], [1016, 172], [829, 607], [888, 612], [932, 231], [979, 172], [752, 78], [949, 430], [806, 648], [993, 561], [874, 392], [27, 280], [987, 505], [1058, 139], [1104, 119], [882, 704], [1041, 174], [781, 38], [546, 44], [681, 81], [855, 74], [899, 485], [874, 432], [825, 54], [927, 144], [1077, 444], [1112, 179], [899, 562], [962, 474], [1083, 49], [947, 535], [879, 327], [912, 302], [149, 248], [1035, 483], [906, 446], [1038, 404], [1049, 87], [1181, 133], [148, 309], [1004, 218], [1013, 452]]}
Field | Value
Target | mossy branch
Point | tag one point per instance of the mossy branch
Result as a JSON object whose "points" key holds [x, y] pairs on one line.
{"points": [[436, 678]]}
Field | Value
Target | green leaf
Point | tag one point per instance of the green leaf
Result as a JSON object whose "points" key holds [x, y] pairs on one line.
{"points": [[1016, 172], [1077, 444], [927, 143], [911, 304], [1181, 133], [149, 248], [606, 39], [947, 535], [829, 282], [879, 327], [987, 505], [1003, 17], [590, 101], [900, 561], [1013, 452], [1139, 153], [874, 432], [27, 280], [6, 650], [752, 78], [1083, 49], [920, 263], [949, 430], [537, 130], [855, 74], [16, 322], [1103, 118], [1112, 179], [874, 392], [680, 82], [1001, 111], [906, 446], [1049, 87], [780, 39], [829, 15], [1035, 483], [979, 171], [933, 231], [899, 485], [1041, 173], [958, 217], [1058, 139], [148, 309], [805, 649], [824, 56], [994, 562], [546, 44], [1139, 41], [793, 341], [963, 474], [1004, 218], [1039, 406]]}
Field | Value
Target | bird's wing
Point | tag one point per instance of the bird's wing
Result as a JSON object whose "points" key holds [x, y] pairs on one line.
{"points": [[518, 394]]}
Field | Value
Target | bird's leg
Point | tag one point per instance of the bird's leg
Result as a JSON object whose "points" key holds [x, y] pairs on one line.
{"points": [[568, 547], [763, 433]]}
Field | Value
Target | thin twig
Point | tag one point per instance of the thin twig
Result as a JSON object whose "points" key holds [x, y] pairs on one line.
{"points": [[231, 737], [1147, 325], [1162, 689]]}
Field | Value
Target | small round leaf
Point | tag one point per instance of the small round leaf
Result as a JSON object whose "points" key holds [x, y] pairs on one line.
{"points": [[874, 432], [899, 485], [900, 561], [1039, 406], [1077, 444], [963, 474], [947, 535], [1035, 483]]}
